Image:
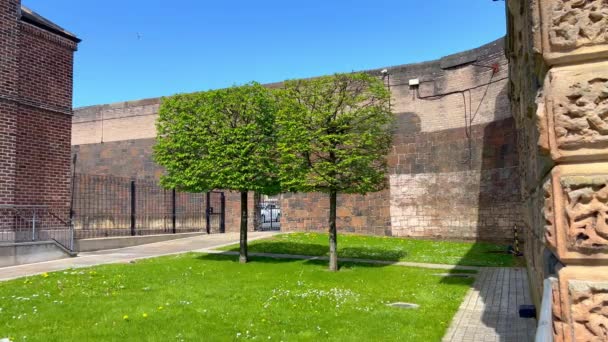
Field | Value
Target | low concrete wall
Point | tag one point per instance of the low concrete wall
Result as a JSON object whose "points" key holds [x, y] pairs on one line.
{"points": [[89, 245], [30, 252]]}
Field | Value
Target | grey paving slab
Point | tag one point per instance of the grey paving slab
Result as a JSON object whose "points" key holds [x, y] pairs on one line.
{"points": [[489, 311], [123, 255]]}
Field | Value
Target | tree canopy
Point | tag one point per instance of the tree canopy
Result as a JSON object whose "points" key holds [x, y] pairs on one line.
{"points": [[219, 139], [334, 135]]}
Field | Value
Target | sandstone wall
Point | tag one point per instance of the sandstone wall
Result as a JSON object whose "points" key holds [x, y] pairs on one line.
{"points": [[453, 163], [558, 52]]}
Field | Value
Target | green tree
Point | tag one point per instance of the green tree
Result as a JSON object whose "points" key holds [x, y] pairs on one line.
{"points": [[334, 135], [220, 139]]}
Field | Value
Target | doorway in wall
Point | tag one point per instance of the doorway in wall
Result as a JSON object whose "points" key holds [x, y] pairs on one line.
{"points": [[268, 213]]}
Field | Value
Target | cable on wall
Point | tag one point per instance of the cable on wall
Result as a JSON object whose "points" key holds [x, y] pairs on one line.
{"points": [[469, 116]]}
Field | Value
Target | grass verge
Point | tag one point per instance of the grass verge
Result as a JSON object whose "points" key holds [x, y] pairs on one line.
{"points": [[197, 297], [388, 248]]}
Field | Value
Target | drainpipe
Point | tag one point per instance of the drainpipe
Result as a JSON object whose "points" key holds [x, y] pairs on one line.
{"points": [[544, 330]]}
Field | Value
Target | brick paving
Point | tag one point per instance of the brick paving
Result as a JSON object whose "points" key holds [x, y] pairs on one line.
{"points": [[489, 311], [123, 255]]}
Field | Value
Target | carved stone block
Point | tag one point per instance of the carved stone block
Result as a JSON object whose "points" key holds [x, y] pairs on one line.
{"points": [[579, 213], [577, 106], [583, 293], [574, 29]]}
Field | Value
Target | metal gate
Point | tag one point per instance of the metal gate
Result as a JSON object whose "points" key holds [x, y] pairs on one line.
{"points": [[268, 214], [216, 210]]}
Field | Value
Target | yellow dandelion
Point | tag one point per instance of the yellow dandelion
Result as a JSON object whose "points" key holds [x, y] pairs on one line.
{"points": [[160, 308], [45, 275], [125, 317], [144, 315]]}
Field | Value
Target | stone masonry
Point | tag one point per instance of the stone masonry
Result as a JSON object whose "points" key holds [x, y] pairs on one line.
{"points": [[558, 51]]}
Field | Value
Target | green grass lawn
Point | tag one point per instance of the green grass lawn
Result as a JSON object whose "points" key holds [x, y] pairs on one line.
{"points": [[197, 297], [387, 248]]}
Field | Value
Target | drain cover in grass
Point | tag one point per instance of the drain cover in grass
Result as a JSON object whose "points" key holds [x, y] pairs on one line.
{"points": [[403, 305]]}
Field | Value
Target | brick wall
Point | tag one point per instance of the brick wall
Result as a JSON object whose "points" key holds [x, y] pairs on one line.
{"points": [[355, 214], [35, 111], [444, 184], [115, 122], [126, 158], [447, 179], [9, 67]]}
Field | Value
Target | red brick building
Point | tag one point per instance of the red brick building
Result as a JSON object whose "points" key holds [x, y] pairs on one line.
{"points": [[36, 69]]}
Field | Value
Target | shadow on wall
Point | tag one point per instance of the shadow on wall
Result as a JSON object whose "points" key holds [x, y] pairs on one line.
{"points": [[500, 291]]}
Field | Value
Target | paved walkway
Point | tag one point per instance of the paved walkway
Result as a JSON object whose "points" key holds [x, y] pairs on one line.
{"points": [[489, 312], [124, 255]]}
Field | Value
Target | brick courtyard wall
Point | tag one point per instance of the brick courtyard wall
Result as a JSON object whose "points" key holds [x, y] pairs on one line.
{"points": [[35, 112], [447, 179], [355, 214]]}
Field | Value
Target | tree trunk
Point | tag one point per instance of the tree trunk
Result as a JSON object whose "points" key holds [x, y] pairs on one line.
{"points": [[333, 233], [243, 249]]}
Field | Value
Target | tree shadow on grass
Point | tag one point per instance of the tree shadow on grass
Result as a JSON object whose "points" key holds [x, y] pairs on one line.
{"points": [[488, 255], [317, 250], [446, 276], [280, 247]]}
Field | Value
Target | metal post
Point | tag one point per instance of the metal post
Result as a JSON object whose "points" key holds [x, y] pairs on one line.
{"points": [[223, 214], [173, 211], [133, 208], [208, 213], [34, 225], [271, 211], [71, 236]]}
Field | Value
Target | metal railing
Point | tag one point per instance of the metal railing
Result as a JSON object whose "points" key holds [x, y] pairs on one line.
{"points": [[106, 206], [26, 223]]}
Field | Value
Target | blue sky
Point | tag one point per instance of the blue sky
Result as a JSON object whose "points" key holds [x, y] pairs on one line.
{"points": [[135, 49]]}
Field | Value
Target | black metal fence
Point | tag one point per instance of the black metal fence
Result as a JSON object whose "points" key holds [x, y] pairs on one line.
{"points": [[115, 206]]}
